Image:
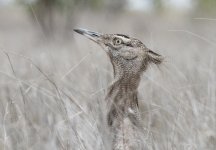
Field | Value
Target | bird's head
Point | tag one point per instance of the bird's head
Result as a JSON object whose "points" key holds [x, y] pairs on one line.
{"points": [[128, 55]]}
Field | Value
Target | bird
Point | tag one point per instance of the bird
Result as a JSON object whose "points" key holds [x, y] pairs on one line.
{"points": [[129, 58]]}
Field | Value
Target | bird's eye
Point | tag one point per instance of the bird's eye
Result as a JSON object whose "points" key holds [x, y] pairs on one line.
{"points": [[117, 41]]}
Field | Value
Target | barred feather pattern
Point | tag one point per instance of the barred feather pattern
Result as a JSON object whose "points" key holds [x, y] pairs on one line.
{"points": [[123, 115]]}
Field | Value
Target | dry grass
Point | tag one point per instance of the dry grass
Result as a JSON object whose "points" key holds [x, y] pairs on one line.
{"points": [[52, 93]]}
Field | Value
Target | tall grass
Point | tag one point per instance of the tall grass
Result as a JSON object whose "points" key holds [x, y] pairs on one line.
{"points": [[52, 93]]}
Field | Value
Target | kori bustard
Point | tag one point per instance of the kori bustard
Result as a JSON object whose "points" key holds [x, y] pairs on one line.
{"points": [[129, 58]]}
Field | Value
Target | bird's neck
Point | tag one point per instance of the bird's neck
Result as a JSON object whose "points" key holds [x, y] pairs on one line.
{"points": [[125, 85], [127, 82], [126, 79], [123, 111]]}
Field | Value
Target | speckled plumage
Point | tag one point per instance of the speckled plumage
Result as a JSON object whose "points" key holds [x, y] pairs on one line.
{"points": [[129, 58]]}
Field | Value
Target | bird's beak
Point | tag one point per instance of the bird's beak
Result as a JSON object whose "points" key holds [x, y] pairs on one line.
{"points": [[94, 36]]}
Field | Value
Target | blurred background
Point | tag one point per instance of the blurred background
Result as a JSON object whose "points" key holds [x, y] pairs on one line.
{"points": [[53, 81]]}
